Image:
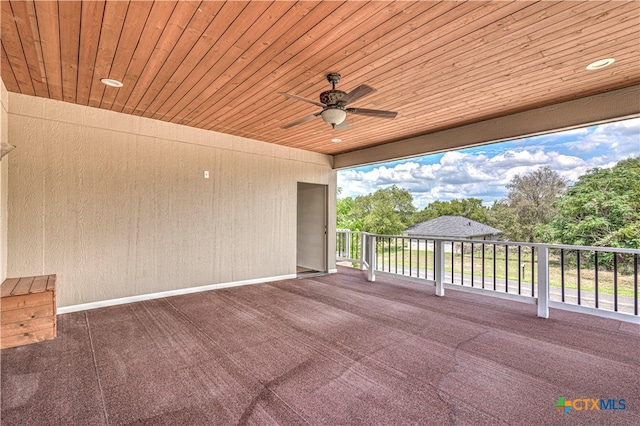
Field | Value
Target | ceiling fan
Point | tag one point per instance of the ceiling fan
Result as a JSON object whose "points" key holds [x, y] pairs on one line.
{"points": [[333, 103]]}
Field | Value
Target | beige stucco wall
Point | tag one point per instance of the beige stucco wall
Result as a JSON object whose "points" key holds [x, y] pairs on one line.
{"points": [[117, 205]]}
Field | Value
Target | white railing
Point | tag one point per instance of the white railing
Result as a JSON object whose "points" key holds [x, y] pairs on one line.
{"points": [[594, 280]]}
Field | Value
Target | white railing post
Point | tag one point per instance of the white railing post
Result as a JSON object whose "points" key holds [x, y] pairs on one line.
{"points": [[438, 253], [363, 250], [372, 257], [543, 282]]}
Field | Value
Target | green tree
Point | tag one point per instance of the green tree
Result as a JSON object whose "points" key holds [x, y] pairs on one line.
{"points": [[530, 200], [344, 214], [386, 211], [601, 209], [471, 208], [501, 216]]}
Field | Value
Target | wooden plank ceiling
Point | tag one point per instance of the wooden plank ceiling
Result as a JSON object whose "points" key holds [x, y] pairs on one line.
{"points": [[220, 65]]}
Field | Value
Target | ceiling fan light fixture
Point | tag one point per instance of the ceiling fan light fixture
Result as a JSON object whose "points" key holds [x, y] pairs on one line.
{"points": [[334, 116]]}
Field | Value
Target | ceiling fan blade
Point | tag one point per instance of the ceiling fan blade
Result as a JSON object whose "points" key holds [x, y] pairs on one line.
{"points": [[373, 112], [300, 98], [300, 121], [357, 93]]}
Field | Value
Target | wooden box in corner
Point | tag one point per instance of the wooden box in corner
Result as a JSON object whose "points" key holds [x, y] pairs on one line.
{"points": [[28, 310]]}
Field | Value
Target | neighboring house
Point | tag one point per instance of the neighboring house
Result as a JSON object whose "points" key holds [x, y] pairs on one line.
{"points": [[455, 227], [451, 227]]}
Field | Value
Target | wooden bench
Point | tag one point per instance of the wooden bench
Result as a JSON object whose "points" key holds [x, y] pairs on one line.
{"points": [[28, 310]]}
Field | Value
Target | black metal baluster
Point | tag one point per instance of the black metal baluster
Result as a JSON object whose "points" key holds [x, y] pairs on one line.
{"points": [[395, 242], [562, 273], [403, 254], [533, 259], [425, 259], [433, 259], [635, 284], [390, 255], [483, 266], [473, 254], [519, 269], [578, 274], [453, 262], [596, 275], [615, 282], [461, 263], [345, 248], [494, 267], [506, 268], [410, 258]]}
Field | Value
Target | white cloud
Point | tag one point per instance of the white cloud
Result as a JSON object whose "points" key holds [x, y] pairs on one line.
{"points": [[485, 173], [620, 139]]}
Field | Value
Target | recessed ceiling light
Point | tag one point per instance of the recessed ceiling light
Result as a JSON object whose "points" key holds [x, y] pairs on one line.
{"points": [[600, 64], [111, 82], [335, 140]]}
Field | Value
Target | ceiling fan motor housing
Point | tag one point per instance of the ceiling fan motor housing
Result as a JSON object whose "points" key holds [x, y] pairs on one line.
{"points": [[331, 97]]}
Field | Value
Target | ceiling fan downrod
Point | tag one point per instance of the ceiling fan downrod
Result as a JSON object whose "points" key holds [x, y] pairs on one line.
{"points": [[334, 78]]}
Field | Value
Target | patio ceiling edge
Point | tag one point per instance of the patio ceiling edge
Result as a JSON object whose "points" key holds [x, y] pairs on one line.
{"points": [[596, 109]]}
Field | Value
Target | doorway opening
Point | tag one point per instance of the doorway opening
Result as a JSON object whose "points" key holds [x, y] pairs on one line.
{"points": [[311, 256]]}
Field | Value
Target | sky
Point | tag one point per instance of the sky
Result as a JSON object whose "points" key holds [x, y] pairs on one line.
{"points": [[484, 171]]}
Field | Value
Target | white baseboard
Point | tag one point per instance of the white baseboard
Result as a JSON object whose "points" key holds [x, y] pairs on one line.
{"points": [[169, 293]]}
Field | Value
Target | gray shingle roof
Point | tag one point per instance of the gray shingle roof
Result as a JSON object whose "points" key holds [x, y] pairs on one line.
{"points": [[452, 227]]}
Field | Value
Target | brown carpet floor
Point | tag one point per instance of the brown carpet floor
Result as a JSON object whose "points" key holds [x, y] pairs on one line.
{"points": [[327, 350]]}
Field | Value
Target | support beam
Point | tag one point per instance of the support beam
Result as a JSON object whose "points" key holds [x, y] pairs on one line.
{"points": [[610, 106]]}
